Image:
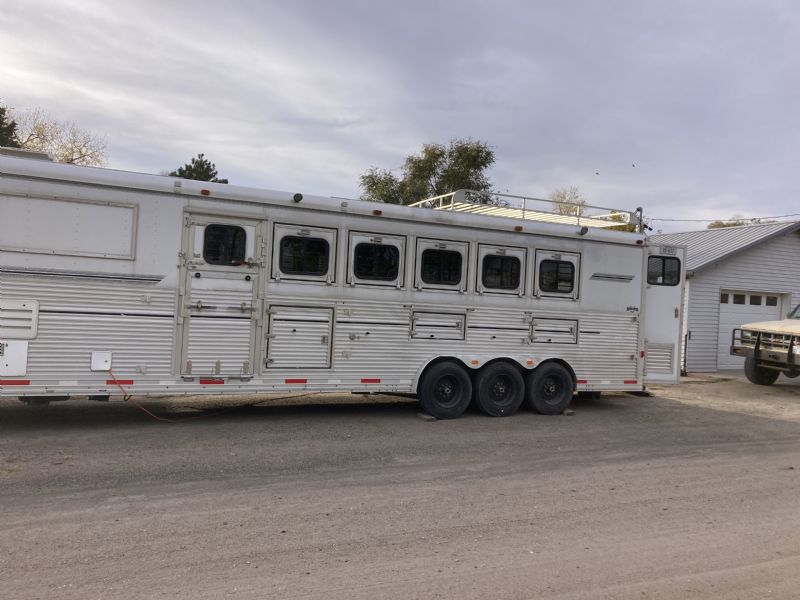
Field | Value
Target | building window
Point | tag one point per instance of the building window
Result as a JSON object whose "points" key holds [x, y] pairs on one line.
{"points": [[772, 301], [755, 300], [723, 298], [304, 255], [738, 298], [663, 270], [378, 262], [441, 267], [224, 245], [500, 272], [556, 276]]}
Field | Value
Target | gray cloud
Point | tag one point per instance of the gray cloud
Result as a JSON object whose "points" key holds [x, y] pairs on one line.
{"points": [[702, 97]]}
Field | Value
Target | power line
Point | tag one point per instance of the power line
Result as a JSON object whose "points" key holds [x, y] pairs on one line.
{"points": [[728, 219]]}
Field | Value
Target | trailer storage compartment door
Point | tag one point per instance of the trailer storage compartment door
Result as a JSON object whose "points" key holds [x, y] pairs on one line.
{"points": [[299, 337], [663, 313]]}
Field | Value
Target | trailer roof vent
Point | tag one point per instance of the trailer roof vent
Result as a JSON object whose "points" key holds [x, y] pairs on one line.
{"points": [[21, 153]]}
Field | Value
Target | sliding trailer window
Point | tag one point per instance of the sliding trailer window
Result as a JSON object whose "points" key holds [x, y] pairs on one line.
{"points": [[501, 270], [663, 270], [557, 274], [304, 253], [376, 259], [441, 265]]}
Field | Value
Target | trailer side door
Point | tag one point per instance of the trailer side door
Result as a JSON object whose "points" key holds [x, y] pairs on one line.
{"points": [[662, 312], [219, 296]]}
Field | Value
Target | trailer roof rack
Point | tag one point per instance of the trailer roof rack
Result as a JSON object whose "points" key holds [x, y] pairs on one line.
{"points": [[533, 209]]}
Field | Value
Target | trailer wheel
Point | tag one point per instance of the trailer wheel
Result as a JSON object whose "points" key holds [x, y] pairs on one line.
{"points": [[445, 391], [499, 389], [759, 375], [549, 389]]}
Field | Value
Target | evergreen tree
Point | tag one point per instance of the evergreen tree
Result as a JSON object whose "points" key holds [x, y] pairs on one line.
{"points": [[200, 169]]}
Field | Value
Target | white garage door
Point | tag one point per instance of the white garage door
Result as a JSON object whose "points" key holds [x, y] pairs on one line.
{"points": [[735, 308]]}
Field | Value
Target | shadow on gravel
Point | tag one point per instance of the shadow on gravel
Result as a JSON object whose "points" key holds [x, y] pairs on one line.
{"points": [[80, 414]]}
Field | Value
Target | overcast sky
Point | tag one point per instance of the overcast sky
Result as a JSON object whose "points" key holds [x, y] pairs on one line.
{"points": [[702, 97]]}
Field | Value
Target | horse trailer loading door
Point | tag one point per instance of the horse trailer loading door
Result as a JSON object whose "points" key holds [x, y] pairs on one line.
{"points": [[219, 308], [663, 302]]}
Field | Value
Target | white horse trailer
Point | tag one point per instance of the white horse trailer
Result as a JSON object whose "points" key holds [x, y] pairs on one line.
{"points": [[117, 282]]}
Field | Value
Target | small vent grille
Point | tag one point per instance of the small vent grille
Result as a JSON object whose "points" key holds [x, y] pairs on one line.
{"points": [[18, 319], [659, 358]]}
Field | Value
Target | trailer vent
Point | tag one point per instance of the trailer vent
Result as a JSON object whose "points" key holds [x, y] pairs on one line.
{"points": [[18, 319], [659, 358]]}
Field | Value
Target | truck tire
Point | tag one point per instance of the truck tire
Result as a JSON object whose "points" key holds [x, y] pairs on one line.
{"points": [[549, 389], [499, 389], [445, 390], [759, 375]]}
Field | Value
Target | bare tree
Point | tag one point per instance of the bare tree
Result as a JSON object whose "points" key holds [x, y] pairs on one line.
{"points": [[63, 140], [568, 201]]}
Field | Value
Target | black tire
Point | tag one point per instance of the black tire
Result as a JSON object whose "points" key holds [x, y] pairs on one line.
{"points": [[549, 389], [498, 389], [759, 375], [445, 390]]}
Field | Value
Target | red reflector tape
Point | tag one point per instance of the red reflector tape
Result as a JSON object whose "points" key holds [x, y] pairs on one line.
{"points": [[15, 382], [119, 381], [630, 381], [641, 354], [212, 381], [582, 381], [370, 381], [295, 381]]}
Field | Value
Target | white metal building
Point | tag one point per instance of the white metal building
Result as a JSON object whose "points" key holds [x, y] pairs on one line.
{"points": [[735, 275]]}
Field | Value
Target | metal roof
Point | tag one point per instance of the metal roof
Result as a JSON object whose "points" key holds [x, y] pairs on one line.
{"points": [[709, 246]]}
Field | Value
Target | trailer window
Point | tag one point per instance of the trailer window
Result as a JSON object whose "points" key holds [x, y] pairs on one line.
{"points": [[304, 255], [663, 270], [441, 267], [224, 245], [556, 276], [500, 272], [378, 262]]}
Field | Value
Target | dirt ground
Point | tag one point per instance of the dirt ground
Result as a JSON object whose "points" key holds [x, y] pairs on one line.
{"points": [[691, 493]]}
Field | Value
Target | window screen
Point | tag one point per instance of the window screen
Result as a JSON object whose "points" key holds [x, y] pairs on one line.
{"points": [[663, 270], [224, 245], [441, 267], [304, 255], [380, 262], [556, 276], [500, 272]]}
